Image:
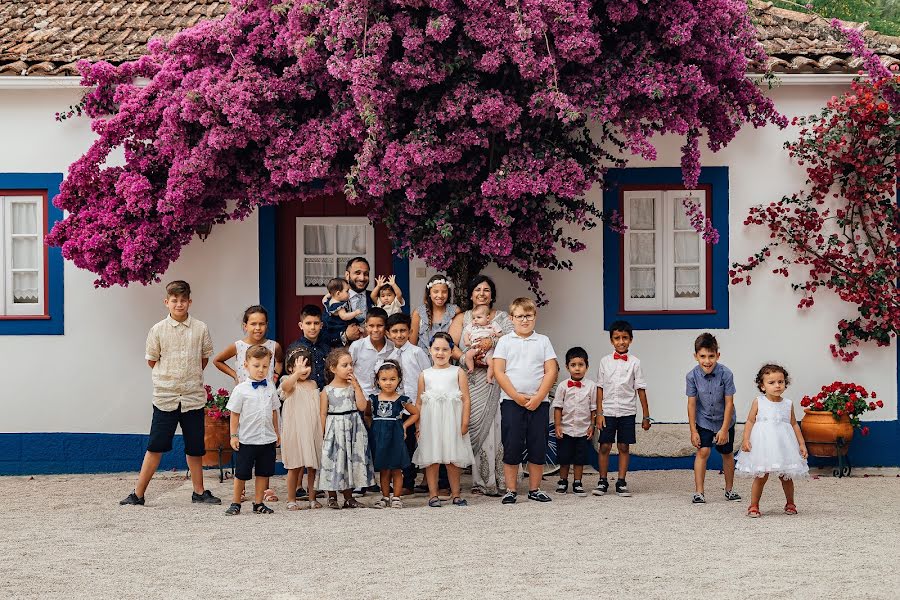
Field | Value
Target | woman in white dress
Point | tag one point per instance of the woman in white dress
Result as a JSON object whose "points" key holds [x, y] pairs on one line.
{"points": [[444, 421], [484, 425], [773, 442]]}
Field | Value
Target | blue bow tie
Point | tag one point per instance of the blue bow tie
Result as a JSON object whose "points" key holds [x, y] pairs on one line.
{"points": [[256, 384]]}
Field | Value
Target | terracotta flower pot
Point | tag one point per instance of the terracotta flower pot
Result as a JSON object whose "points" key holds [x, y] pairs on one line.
{"points": [[217, 435], [821, 430]]}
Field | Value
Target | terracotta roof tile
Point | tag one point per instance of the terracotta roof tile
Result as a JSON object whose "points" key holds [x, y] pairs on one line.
{"points": [[48, 37]]}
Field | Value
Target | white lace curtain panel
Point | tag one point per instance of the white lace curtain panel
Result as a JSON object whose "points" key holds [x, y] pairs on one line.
{"points": [[326, 249], [642, 251], [25, 251]]}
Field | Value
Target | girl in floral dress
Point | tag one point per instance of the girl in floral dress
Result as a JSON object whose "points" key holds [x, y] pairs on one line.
{"points": [[346, 460]]}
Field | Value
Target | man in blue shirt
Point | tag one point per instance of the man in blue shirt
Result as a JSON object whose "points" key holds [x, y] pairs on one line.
{"points": [[710, 391]]}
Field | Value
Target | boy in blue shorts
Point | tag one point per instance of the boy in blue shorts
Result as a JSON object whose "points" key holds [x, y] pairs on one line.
{"points": [[525, 367], [710, 391], [620, 384]]}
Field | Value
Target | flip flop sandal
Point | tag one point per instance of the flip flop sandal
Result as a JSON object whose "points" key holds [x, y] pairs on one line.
{"points": [[753, 512], [434, 502], [292, 506], [262, 509], [790, 509], [313, 504], [352, 503], [333, 503], [234, 509], [459, 502], [269, 496]]}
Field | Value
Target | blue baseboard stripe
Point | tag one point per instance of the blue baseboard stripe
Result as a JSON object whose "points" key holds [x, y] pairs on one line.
{"points": [[55, 453]]}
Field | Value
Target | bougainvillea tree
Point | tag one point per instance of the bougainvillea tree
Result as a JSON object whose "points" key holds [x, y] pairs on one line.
{"points": [[843, 231], [472, 129]]}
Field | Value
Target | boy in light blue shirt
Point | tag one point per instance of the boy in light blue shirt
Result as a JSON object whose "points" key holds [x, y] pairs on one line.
{"points": [[710, 391]]}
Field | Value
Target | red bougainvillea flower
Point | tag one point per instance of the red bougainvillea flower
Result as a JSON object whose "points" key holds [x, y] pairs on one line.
{"points": [[864, 431]]}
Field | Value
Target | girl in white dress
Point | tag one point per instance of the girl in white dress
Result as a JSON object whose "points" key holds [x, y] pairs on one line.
{"points": [[255, 323], [443, 426], [773, 442]]}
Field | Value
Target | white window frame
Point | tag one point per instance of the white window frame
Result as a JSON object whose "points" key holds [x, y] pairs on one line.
{"points": [[666, 202], [304, 290], [7, 307]]}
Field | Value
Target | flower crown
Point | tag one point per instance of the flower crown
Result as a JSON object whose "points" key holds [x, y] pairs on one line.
{"points": [[430, 284]]}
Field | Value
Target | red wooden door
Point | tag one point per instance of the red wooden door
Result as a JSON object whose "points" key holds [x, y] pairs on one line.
{"points": [[288, 302]]}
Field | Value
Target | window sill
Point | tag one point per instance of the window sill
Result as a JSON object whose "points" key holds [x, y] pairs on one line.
{"points": [[25, 317], [663, 313]]}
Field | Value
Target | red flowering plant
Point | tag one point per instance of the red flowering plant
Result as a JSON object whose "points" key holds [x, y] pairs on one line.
{"points": [[472, 129], [843, 232], [842, 399], [216, 403]]}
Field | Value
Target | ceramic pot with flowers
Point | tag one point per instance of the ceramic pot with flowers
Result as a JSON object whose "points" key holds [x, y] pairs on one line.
{"points": [[832, 415]]}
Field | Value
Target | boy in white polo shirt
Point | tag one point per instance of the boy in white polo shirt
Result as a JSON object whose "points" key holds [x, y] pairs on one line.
{"points": [[525, 367], [369, 352], [254, 429], [620, 383]]}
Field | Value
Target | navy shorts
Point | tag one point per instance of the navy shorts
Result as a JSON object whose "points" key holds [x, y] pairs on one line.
{"points": [[162, 430], [522, 429], [619, 429], [706, 440], [258, 457], [572, 450]]}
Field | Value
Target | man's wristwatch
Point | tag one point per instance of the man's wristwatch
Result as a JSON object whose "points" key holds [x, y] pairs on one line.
{"points": [[234, 435]]}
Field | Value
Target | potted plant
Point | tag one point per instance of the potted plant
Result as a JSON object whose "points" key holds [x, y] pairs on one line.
{"points": [[216, 438], [833, 414]]}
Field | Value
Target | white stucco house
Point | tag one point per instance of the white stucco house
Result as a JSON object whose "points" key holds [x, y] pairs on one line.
{"points": [[78, 389]]}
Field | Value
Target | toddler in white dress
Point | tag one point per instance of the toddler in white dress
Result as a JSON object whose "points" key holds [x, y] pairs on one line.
{"points": [[773, 442]]}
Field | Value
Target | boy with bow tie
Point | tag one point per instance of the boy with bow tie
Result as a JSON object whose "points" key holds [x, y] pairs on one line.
{"points": [[254, 429], [574, 410], [620, 383]]}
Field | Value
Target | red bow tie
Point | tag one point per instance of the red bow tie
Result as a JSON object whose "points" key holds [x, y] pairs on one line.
{"points": [[617, 356], [574, 383]]}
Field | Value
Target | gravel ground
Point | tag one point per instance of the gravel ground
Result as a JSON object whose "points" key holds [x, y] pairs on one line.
{"points": [[66, 536]]}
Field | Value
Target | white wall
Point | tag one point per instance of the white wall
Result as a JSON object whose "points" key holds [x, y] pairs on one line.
{"points": [[105, 329], [765, 325]]}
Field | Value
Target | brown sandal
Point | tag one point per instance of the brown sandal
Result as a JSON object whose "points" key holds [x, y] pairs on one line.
{"points": [[333, 503], [352, 503]]}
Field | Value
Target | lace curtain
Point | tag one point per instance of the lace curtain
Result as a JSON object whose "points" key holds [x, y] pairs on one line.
{"points": [[26, 251], [687, 255], [642, 248], [326, 250]]}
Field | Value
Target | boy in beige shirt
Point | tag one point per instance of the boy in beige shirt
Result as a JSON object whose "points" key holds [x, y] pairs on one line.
{"points": [[178, 349]]}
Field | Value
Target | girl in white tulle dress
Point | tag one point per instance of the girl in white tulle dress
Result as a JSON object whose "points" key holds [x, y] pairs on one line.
{"points": [[443, 426], [773, 442]]}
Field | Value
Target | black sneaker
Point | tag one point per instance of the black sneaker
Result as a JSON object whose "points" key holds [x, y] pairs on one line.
{"points": [[509, 497], [358, 492], [578, 488], [205, 498], [562, 486], [132, 499], [698, 499], [622, 488], [732, 495], [539, 496], [602, 487]]}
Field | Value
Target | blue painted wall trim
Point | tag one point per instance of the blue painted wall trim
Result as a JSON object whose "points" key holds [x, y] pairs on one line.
{"points": [[267, 267], [717, 177], [48, 453], [49, 182], [401, 272]]}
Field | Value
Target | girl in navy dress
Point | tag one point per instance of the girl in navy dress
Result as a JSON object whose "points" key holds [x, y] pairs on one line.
{"points": [[388, 433]]}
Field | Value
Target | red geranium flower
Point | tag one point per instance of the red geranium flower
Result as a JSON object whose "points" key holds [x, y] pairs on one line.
{"points": [[865, 431]]}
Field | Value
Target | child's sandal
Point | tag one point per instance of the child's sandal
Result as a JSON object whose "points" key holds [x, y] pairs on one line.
{"points": [[234, 509], [753, 511], [790, 508], [460, 502], [313, 504], [262, 509], [352, 503], [434, 502], [396, 502], [292, 506], [333, 503], [269, 496]]}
